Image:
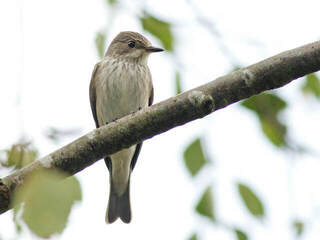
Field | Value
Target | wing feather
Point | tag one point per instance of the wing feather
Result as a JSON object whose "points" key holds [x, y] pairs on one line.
{"points": [[93, 94]]}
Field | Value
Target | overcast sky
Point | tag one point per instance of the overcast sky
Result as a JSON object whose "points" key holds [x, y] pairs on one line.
{"points": [[47, 57]]}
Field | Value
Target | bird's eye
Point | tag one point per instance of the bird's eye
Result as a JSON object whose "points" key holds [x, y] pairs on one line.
{"points": [[131, 44]]}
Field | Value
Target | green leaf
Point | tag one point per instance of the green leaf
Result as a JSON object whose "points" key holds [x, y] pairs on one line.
{"points": [[29, 156], [18, 226], [251, 201], [299, 227], [111, 2], [240, 234], [100, 44], [194, 157], [20, 155], [312, 85], [205, 205], [14, 156], [275, 131], [265, 104], [178, 83], [193, 237], [158, 28], [47, 201]]}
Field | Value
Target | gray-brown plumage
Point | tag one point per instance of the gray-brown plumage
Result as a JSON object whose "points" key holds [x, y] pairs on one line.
{"points": [[121, 84]]}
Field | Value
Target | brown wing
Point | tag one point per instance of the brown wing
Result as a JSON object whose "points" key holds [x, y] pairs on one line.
{"points": [[93, 94], [151, 97], [151, 93], [93, 101]]}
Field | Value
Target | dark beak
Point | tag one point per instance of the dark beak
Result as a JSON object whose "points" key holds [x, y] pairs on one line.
{"points": [[154, 49]]}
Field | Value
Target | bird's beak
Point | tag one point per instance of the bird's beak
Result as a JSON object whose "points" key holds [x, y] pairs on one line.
{"points": [[154, 49]]}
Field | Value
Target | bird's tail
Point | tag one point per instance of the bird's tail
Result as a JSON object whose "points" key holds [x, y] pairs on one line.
{"points": [[119, 206]]}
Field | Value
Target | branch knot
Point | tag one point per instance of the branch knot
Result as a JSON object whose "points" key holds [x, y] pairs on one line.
{"points": [[248, 77], [200, 100]]}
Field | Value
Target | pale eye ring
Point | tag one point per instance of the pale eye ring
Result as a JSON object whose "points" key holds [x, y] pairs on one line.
{"points": [[131, 44]]}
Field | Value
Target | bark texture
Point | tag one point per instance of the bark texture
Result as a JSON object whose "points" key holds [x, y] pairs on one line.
{"points": [[270, 73]]}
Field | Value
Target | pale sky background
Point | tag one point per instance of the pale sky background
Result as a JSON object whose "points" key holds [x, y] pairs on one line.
{"points": [[47, 51]]}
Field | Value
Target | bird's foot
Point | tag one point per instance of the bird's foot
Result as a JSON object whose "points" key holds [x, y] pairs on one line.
{"points": [[114, 120], [133, 112]]}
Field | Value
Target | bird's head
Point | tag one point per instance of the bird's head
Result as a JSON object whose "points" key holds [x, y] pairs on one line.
{"points": [[131, 46]]}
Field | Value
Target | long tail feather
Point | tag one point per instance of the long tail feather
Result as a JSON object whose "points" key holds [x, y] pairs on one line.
{"points": [[119, 206]]}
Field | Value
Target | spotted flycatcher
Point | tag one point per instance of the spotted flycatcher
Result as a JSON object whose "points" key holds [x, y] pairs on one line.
{"points": [[121, 84]]}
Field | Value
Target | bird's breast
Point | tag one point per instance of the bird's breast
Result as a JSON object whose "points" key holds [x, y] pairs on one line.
{"points": [[124, 88]]}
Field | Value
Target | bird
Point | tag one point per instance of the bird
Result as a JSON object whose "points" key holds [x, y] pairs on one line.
{"points": [[121, 84]]}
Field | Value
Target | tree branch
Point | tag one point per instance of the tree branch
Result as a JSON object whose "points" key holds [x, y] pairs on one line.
{"points": [[271, 73]]}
